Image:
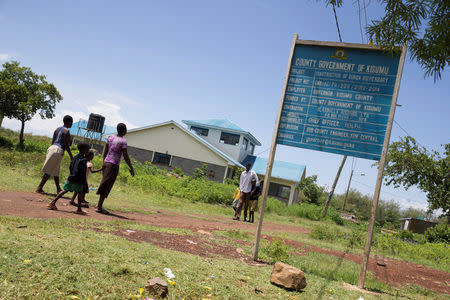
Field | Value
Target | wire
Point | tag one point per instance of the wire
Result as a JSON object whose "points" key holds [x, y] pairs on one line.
{"points": [[261, 152], [384, 192], [407, 133], [337, 23]]}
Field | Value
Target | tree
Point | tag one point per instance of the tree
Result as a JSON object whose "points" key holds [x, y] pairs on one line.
{"points": [[423, 24], [24, 93], [310, 189], [410, 165]]}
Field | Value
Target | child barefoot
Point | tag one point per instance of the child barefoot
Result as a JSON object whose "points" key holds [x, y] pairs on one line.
{"points": [[77, 178], [89, 169]]}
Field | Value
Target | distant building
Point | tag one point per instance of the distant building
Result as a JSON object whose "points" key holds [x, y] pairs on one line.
{"points": [[220, 144], [416, 225]]}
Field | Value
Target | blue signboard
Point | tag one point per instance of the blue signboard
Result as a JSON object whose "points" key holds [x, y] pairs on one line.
{"points": [[338, 100]]}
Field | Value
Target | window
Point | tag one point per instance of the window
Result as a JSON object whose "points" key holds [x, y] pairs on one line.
{"points": [[245, 144], [161, 158], [278, 190], [229, 138], [200, 131], [251, 149]]}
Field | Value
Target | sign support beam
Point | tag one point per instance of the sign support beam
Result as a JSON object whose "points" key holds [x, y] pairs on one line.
{"points": [[381, 164], [273, 149]]}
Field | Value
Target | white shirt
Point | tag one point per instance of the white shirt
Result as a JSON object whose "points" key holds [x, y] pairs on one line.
{"points": [[245, 183]]}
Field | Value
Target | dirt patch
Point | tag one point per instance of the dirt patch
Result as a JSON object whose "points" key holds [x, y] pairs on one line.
{"points": [[392, 272], [33, 205], [204, 247]]}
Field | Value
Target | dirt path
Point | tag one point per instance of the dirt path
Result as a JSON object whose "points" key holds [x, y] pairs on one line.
{"points": [[393, 272]]}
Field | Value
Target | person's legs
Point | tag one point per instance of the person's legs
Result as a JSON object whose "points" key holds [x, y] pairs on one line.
{"points": [[101, 199], [44, 179], [246, 203], [251, 217], [58, 187], [239, 207], [72, 201], [80, 200], [52, 204]]}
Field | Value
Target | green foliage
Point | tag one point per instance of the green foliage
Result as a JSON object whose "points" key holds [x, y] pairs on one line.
{"points": [[323, 232], [201, 172], [178, 171], [421, 23], [310, 189], [275, 251], [410, 165], [24, 93], [438, 234], [302, 210], [404, 235]]}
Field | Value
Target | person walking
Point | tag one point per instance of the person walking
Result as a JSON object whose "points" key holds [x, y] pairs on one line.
{"points": [[245, 186], [116, 146], [61, 142]]}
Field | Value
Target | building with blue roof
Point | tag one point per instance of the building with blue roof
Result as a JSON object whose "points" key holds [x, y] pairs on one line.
{"points": [[221, 144]]}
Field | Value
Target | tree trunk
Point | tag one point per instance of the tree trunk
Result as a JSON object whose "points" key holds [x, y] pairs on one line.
{"points": [[1, 118], [21, 145]]}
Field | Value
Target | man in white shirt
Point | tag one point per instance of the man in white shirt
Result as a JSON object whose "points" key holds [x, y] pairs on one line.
{"points": [[245, 186]]}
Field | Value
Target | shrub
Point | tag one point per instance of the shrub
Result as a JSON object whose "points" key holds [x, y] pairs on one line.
{"points": [[275, 250], [6, 143], [323, 232], [438, 234], [178, 171], [404, 235], [201, 172]]}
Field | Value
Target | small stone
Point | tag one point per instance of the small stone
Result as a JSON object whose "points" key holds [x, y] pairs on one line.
{"points": [[288, 277], [240, 250], [157, 286]]}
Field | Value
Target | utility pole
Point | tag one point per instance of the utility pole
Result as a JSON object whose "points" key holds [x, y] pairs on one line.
{"points": [[334, 186], [348, 187]]}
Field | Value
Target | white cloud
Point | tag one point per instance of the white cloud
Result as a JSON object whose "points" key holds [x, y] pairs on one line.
{"points": [[4, 56], [39, 126]]}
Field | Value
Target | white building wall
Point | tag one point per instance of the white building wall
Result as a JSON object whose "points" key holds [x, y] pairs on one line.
{"points": [[172, 140], [234, 151], [213, 138]]}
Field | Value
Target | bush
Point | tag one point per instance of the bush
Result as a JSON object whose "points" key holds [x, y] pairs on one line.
{"points": [[201, 172], [275, 250], [438, 234], [6, 143], [323, 232], [404, 235]]}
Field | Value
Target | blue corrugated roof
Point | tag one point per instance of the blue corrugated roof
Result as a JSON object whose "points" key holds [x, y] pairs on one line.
{"points": [[220, 123], [280, 169]]}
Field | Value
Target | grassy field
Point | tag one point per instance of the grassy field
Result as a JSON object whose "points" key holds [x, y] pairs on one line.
{"points": [[62, 258]]}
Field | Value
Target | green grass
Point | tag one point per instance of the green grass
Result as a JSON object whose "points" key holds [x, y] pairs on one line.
{"points": [[59, 258], [56, 259]]}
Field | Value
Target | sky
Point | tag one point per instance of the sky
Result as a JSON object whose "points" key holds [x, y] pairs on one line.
{"points": [[144, 62]]}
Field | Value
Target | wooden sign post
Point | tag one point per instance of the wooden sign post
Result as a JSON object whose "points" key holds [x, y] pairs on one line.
{"points": [[381, 163], [338, 98], [273, 148]]}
